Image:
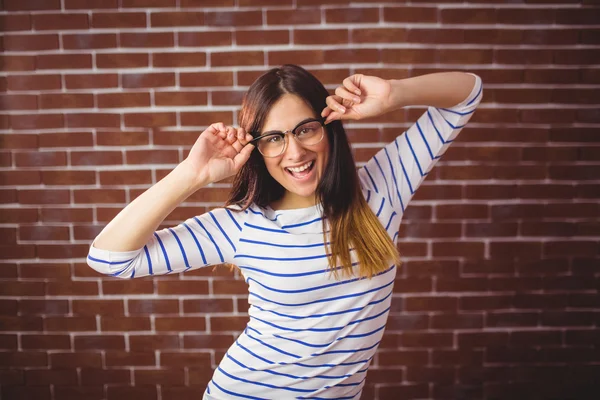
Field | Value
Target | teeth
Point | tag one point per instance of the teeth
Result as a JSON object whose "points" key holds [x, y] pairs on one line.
{"points": [[301, 168]]}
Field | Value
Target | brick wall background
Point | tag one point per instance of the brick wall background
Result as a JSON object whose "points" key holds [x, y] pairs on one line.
{"points": [[498, 297]]}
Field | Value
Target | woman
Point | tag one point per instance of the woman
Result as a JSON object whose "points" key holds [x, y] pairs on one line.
{"points": [[313, 237]]}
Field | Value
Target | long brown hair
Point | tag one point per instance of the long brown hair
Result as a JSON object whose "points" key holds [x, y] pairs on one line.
{"points": [[352, 223]]}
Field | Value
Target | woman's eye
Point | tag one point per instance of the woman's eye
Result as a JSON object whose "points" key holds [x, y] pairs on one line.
{"points": [[274, 139]]}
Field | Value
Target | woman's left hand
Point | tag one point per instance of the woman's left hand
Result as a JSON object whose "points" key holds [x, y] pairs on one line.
{"points": [[359, 97]]}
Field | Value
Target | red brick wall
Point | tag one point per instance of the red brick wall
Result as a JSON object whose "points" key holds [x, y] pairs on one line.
{"points": [[498, 297]]}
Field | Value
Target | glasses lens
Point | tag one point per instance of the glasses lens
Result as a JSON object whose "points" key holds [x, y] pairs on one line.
{"points": [[309, 133], [271, 145]]}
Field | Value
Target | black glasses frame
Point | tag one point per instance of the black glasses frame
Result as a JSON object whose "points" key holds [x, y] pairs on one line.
{"points": [[321, 120]]}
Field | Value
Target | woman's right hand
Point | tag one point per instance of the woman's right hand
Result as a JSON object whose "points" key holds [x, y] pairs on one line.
{"points": [[219, 152]]}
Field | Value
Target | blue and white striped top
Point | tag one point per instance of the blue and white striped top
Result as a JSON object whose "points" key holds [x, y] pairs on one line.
{"points": [[308, 335]]}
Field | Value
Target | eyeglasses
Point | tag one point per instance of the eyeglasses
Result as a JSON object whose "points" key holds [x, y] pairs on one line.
{"points": [[272, 144]]}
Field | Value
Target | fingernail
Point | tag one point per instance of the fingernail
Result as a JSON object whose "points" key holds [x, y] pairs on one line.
{"points": [[342, 109], [357, 92], [357, 99]]}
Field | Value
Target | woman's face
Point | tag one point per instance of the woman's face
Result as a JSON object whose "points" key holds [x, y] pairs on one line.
{"points": [[300, 184]]}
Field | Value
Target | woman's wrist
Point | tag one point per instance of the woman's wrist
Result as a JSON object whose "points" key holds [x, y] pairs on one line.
{"points": [[399, 96]]}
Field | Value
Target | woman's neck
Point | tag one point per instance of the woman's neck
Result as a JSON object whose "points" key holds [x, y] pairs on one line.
{"points": [[291, 201]]}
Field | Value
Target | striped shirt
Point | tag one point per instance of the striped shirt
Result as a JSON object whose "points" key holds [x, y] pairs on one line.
{"points": [[308, 335]]}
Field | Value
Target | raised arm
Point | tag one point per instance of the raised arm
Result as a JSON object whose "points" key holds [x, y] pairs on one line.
{"points": [[219, 152], [400, 167]]}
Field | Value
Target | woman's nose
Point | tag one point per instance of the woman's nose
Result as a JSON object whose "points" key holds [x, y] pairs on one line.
{"points": [[294, 150]]}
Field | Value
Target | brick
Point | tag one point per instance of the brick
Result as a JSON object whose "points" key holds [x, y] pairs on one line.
{"points": [[99, 342], [231, 98], [230, 287], [123, 100], [83, 41], [262, 37], [39, 121], [70, 177], [346, 56], [127, 392], [98, 307], [458, 249], [469, 16], [73, 100], [152, 156], [150, 119], [182, 287], [30, 306], [233, 18], [146, 39], [90, 377], [181, 59], [33, 82], [91, 81], [156, 342], [462, 211], [377, 35], [134, 177], [208, 3], [148, 80], [18, 141], [8, 235], [78, 392], [20, 177], [294, 17], [181, 98], [354, 15], [18, 102], [15, 22], [177, 18], [126, 20], [206, 118], [30, 42], [180, 324], [410, 14], [428, 303], [63, 61], [96, 158], [44, 233], [89, 4], [122, 358], [304, 57], [66, 214], [120, 324], [75, 288], [208, 306], [32, 5], [93, 120], [127, 138], [120, 60], [15, 215], [66, 139], [70, 324], [205, 39], [408, 56], [226, 324], [151, 306], [148, 3], [201, 79], [18, 63], [46, 342], [184, 359], [426, 339], [27, 392], [62, 21], [235, 58], [163, 376]]}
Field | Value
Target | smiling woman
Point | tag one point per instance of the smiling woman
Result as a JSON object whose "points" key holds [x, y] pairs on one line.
{"points": [[299, 216]]}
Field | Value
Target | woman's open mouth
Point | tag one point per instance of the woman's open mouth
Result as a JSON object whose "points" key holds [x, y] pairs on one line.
{"points": [[301, 172]]}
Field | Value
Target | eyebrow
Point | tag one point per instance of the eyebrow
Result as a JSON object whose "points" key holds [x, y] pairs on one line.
{"points": [[295, 126]]}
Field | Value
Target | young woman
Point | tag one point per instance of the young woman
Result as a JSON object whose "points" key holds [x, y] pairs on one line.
{"points": [[313, 237]]}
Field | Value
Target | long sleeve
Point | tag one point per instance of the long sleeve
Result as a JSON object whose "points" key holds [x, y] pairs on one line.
{"points": [[398, 169], [200, 241]]}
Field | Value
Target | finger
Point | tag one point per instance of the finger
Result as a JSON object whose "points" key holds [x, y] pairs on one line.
{"points": [[240, 159], [231, 135], [346, 95], [352, 83], [326, 111], [334, 102], [332, 117]]}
